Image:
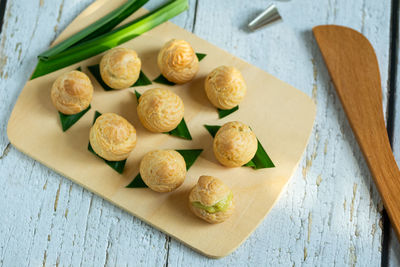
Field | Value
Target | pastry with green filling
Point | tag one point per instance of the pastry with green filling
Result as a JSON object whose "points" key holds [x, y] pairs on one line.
{"points": [[211, 200]]}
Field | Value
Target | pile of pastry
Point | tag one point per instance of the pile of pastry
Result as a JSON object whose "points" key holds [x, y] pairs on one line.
{"points": [[160, 110]]}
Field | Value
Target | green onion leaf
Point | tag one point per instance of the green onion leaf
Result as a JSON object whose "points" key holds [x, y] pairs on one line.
{"points": [[225, 112], [95, 70], [68, 120], [260, 160], [181, 131], [200, 56], [111, 39], [116, 165], [161, 79], [97, 28], [189, 155]]}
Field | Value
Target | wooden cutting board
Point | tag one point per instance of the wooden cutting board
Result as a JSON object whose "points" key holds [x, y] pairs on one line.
{"points": [[281, 116]]}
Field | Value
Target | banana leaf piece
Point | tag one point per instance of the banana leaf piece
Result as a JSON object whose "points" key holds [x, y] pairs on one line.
{"points": [[260, 160], [200, 56], [189, 155], [225, 112], [161, 79], [68, 120]]}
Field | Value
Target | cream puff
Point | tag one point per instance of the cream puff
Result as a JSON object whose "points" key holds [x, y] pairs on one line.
{"points": [[120, 67], [72, 92], [112, 137], [163, 170], [177, 61], [234, 144], [225, 87], [211, 200], [160, 110]]}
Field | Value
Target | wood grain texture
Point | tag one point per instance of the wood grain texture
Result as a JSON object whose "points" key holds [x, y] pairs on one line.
{"points": [[354, 69], [329, 213]]}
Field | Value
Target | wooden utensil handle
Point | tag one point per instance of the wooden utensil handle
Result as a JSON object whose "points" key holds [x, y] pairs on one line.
{"points": [[353, 66]]}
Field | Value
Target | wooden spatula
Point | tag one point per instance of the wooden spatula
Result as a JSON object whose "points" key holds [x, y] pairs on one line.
{"points": [[354, 69]]}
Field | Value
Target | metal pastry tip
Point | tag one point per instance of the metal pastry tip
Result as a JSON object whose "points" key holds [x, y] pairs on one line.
{"points": [[267, 17]]}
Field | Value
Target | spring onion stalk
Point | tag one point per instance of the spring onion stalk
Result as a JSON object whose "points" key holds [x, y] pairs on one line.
{"points": [[101, 26], [111, 39]]}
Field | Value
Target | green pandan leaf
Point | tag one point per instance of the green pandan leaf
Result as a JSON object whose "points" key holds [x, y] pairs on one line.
{"points": [[225, 112], [95, 70], [108, 40], [79, 68], [101, 26], [181, 131], [260, 160], [161, 79], [116, 165], [68, 120], [200, 56], [189, 155]]}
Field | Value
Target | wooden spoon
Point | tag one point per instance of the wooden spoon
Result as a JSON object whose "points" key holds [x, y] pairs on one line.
{"points": [[354, 69]]}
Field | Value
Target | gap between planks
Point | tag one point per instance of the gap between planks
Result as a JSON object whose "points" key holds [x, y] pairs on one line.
{"points": [[392, 72]]}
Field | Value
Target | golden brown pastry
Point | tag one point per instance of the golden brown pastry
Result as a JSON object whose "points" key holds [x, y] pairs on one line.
{"points": [[234, 144], [211, 200], [163, 170], [72, 92], [112, 137], [120, 68], [178, 61], [225, 87], [160, 110]]}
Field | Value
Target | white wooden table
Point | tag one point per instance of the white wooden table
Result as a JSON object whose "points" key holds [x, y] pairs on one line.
{"points": [[330, 213]]}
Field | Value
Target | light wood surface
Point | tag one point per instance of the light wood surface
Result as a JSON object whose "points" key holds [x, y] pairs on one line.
{"points": [[283, 123], [354, 69], [329, 212]]}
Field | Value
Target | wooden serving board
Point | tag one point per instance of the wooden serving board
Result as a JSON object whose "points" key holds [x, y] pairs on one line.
{"points": [[281, 116]]}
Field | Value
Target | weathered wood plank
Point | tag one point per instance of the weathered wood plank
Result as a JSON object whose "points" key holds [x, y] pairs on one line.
{"points": [[48, 219], [329, 213]]}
